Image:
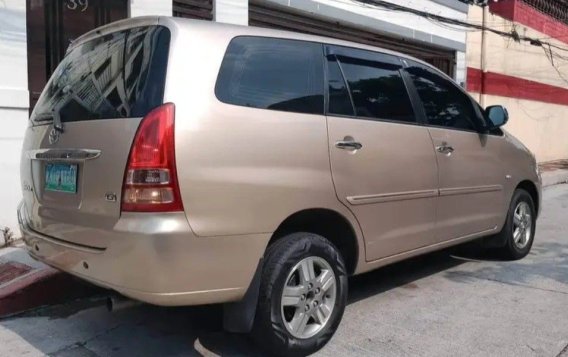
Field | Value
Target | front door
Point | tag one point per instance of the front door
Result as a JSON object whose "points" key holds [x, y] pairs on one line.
{"points": [[382, 159], [53, 24], [470, 172]]}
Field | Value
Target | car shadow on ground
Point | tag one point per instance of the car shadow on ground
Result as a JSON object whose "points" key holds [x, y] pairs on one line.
{"points": [[551, 265], [85, 328]]}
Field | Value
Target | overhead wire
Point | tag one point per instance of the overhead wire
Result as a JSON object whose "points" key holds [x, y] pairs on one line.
{"points": [[447, 20], [466, 26]]}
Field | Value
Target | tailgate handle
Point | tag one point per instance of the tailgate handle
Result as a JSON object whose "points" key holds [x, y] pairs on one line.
{"points": [[64, 154]]}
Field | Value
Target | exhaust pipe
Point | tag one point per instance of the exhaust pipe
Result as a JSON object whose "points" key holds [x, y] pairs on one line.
{"points": [[116, 303]]}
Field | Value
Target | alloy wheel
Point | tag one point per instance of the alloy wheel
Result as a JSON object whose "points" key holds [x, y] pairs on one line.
{"points": [[308, 297], [522, 225]]}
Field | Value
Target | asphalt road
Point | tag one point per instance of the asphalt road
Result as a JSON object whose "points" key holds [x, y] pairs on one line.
{"points": [[451, 303]]}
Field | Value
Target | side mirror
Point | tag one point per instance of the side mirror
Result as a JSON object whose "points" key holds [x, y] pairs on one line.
{"points": [[497, 115]]}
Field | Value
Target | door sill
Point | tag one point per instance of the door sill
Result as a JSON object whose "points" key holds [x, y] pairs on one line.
{"points": [[374, 264]]}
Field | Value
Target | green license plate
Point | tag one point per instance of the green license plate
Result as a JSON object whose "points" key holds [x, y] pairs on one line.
{"points": [[61, 178]]}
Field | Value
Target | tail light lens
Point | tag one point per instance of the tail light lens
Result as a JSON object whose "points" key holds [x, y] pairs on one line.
{"points": [[150, 181]]}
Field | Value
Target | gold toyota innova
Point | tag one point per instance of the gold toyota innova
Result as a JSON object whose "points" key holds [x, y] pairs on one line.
{"points": [[181, 162]]}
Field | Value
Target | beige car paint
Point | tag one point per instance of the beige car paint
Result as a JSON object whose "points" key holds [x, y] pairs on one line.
{"points": [[471, 182], [156, 258], [381, 183], [86, 218], [243, 171]]}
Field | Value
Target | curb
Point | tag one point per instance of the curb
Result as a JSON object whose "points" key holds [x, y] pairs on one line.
{"points": [[46, 287], [33, 277], [27, 284], [556, 177]]}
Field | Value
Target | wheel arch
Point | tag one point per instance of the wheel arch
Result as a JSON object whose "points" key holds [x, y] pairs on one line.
{"points": [[531, 188], [327, 223]]}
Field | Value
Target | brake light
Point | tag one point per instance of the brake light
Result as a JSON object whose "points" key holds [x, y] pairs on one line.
{"points": [[150, 180]]}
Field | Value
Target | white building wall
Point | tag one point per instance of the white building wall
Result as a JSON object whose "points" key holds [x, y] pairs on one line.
{"points": [[150, 7], [231, 11], [461, 68], [411, 22], [13, 105]]}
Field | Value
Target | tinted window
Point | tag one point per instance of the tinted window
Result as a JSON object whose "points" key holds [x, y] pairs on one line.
{"points": [[272, 73], [119, 75], [339, 100], [377, 89], [444, 103]]}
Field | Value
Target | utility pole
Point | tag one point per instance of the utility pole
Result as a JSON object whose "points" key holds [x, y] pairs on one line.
{"points": [[483, 63]]}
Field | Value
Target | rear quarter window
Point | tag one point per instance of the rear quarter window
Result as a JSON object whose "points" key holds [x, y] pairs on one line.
{"points": [[119, 75], [270, 73]]}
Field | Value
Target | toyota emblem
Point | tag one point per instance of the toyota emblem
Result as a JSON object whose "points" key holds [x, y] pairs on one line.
{"points": [[53, 136]]}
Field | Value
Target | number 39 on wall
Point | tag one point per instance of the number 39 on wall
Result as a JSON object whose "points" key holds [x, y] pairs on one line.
{"points": [[81, 5]]}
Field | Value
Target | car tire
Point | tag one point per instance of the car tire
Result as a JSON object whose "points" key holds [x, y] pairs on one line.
{"points": [[519, 230], [302, 320]]}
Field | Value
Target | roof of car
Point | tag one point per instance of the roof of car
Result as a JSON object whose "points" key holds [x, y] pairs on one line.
{"points": [[228, 30]]}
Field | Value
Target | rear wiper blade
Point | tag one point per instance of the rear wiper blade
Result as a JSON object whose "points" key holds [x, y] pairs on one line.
{"points": [[42, 117], [57, 124], [53, 116]]}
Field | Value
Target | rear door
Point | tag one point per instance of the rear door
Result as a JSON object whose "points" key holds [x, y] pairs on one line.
{"points": [[470, 171], [383, 163], [76, 147]]}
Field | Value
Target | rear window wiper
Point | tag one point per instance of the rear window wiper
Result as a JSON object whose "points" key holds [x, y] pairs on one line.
{"points": [[40, 118], [53, 116]]}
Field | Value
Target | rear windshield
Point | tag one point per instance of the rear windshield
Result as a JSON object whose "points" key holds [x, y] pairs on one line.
{"points": [[119, 75]]}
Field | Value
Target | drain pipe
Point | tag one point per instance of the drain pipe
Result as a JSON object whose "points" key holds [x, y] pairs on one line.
{"points": [[117, 303]]}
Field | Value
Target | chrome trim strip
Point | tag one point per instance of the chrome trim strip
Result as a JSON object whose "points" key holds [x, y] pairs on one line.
{"points": [[469, 190], [412, 195], [393, 196], [65, 155]]}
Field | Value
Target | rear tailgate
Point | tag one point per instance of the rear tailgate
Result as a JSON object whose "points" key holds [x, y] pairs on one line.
{"points": [[77, 145]]}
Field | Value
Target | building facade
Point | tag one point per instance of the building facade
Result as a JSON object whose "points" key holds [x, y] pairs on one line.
{"points": [[530, 79], [34, 35]]}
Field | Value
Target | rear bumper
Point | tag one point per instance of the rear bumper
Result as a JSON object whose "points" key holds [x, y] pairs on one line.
{"points": [[157, 259]]}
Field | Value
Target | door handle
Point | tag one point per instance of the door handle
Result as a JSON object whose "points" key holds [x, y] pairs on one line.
{"points": [[445, 149], [348, 145]]}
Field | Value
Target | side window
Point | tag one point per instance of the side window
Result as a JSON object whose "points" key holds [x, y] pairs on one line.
{"points": [[377, 89], [272, 73], [444, 104], [339, 100]]}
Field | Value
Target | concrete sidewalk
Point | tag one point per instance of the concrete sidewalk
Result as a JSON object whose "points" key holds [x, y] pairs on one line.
{"points": [[556, 177], [554, 173], [26, 284]]}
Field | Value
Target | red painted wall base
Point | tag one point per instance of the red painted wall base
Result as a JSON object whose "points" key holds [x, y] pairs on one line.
{"points": [[514, 87]]}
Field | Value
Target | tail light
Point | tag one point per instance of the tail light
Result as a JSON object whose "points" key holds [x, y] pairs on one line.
{"points": [[150, 181]]}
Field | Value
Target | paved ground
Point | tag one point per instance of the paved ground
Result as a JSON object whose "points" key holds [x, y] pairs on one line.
{"points": [[444, 304]]}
